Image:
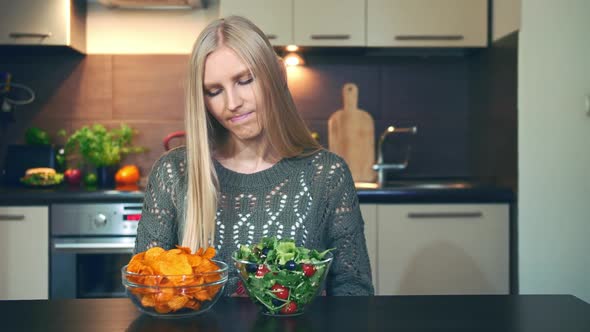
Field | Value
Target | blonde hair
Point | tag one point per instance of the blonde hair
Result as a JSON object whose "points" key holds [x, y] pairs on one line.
{"points": [[283, 128]]}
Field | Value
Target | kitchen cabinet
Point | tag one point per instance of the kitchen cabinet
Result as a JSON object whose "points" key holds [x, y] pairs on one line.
{"points": [[505, 18], [440, 249], [329, 22], [24, 256], [369, 213], [427, 23], [44, 22], [274, 17], [304, 22]]}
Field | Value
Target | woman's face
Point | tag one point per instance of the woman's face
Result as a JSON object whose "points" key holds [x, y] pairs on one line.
{"points": [[230, 94]]}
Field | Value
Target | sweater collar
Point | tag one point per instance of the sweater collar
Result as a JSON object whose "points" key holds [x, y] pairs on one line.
{"points": [[283, 169]]}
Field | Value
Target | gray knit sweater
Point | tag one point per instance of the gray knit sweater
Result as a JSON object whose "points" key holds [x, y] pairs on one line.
{"points": [[310, 199]]}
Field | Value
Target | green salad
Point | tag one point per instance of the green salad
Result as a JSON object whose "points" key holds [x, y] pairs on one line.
{"points": [[281, 276]]}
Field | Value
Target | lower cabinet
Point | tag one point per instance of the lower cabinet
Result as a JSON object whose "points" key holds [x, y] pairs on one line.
{"points": [[436, 249], [24, 252], [369, 212]]}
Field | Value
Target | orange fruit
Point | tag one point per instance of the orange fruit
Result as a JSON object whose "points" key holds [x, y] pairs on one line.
{"points": [[128, 174]]}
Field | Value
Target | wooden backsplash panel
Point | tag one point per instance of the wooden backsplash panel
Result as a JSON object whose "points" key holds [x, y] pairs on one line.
{"points": [[149, 87], [147, 92], [85, 94], [150, 134]]}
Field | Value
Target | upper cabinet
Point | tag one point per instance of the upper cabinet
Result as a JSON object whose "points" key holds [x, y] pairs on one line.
{"points": [[506, 18], [274, 17], [329, 22], [304, 22], [44, 22], [427, 23]]}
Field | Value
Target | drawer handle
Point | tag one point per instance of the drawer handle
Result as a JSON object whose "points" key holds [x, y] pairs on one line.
{"points": [[12, 217], [429, 37], [438, 215], [271, 36], [29, 35], [330, 37]]}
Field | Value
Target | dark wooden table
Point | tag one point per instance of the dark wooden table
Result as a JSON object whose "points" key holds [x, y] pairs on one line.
{"points": [[536, 313]]}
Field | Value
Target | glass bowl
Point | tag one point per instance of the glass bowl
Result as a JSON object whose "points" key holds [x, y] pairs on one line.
{"points": [[280, 290], [175, 296]]}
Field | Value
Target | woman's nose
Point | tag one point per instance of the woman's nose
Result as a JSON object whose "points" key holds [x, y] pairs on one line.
{"points": [[234, 100]]}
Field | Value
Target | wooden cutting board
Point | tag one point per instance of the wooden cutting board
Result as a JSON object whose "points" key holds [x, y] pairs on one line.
{"points": [[351, 135]]}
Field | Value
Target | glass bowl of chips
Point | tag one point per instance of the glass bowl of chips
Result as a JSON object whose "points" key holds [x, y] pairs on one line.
{"points": [[281, 278], [174, 283]]}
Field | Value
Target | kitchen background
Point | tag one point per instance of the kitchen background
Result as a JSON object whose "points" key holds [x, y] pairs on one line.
{"points": [[544, 67], [462, 101]]}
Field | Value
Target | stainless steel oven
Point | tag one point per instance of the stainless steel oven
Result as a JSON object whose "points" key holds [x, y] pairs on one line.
{"points": [[89, 245]]}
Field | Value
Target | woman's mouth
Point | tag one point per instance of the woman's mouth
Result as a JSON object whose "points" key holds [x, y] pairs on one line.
{"points": [[240, 117]]}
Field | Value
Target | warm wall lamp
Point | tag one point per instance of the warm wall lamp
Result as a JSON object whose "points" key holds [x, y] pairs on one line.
{"points": [[292, 58]]}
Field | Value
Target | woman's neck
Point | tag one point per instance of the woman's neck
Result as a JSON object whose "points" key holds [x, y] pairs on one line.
{"points": [[246, 157]]}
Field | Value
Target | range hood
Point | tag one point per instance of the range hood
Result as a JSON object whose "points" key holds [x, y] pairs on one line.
{"points": [[153, 4]]}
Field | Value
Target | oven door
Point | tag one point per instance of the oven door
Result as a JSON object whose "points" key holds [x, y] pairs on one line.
{"points": [[89, 267]]}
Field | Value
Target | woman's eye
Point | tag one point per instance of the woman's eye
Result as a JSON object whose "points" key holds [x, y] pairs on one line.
{"points": [[213, 93], [246, 81]]}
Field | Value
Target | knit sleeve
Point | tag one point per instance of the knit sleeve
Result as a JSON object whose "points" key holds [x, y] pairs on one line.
{"points": [[350, 273], [157, 226]]}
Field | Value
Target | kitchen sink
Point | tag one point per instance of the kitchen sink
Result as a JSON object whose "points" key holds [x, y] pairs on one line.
{"points": [[415, 184]]}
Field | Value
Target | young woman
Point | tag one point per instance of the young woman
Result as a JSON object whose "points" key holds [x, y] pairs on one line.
{"points": [[250, 168]]}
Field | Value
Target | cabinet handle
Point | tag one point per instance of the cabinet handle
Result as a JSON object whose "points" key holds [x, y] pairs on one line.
{"points": [[271, 36], [29, 35], [438, 215], [429, 37], [12, 217], [330, 37], [95, 248]]}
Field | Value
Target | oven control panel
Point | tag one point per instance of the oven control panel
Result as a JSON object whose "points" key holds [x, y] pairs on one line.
{"points": [[95, 219]]}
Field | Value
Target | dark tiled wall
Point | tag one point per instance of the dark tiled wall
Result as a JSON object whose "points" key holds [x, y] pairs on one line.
{"points": [[430, 93], [146, 92], [493, 127]]}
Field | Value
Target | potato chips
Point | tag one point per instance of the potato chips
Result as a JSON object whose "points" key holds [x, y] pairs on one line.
{"points": [[170, 280]]}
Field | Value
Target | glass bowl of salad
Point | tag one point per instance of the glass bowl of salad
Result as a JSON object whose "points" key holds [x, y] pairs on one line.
{"points": [[280, 277]]}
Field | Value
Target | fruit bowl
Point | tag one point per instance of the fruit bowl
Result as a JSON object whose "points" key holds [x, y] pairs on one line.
{"points": [[175, 296], [279, 277]]}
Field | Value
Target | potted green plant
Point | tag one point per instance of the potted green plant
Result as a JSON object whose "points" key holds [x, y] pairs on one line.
{"points": [[102, 148]]}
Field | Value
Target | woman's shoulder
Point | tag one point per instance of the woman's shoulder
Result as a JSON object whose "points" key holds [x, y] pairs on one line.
{"points": [[174, 159], [326, 158], [327, 164]]}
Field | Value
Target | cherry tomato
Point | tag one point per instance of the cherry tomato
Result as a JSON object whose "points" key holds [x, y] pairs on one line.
{"points": [[289, 308], [308, 270], [280, 291], [262, 270]]}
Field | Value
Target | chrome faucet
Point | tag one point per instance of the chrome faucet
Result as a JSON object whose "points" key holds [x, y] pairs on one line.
{"points": [[380, 167]]}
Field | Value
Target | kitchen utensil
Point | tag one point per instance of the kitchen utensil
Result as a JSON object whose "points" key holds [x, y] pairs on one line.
{"points": [[351, 135], [169, 137]]}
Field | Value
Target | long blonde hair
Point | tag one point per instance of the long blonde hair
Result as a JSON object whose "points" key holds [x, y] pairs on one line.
{"points": [[284, 129]]}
